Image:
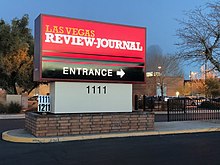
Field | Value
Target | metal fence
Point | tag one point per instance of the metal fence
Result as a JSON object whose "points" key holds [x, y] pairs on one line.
{"points": [[151, 103], [180, 109]]}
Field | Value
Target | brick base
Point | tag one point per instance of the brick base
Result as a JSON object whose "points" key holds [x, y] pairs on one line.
{"points": [[77, 124]]}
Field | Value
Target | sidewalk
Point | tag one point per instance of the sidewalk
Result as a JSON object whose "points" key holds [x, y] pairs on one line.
{"points": [[161, 128], [12, 116]]}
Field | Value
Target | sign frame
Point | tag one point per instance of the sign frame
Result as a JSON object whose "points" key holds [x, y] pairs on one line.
{"points": [[38, 57]]}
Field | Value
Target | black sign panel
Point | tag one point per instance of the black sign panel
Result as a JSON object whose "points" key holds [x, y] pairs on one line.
{"points": [[89, 72]]}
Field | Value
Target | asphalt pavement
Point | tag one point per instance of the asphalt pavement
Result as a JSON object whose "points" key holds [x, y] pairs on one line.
{"points": [[161, 128], [182, 148], [11, 124]]}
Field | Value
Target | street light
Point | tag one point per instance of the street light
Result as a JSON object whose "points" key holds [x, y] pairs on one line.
{"points": [[159, 67], [192, 76], [160, 81], [177, 93]]}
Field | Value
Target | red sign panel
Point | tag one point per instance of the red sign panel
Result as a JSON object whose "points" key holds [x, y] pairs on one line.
{"points": [[78, 50]]}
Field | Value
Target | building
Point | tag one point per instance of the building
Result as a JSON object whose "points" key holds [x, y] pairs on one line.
{"points": [[170, 86]]}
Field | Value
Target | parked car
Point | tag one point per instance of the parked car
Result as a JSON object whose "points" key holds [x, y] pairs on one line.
{"points": [[200, 100], [150, 102], [166, 98], [216, 99], [187, 101], [210, 105]]}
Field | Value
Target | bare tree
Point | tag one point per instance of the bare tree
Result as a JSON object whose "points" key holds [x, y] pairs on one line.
{"points": [[170, 65], [162, 66], [200, 35]]}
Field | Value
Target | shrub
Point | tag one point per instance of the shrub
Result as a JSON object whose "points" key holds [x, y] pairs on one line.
{"points": [[13, 107], [210, 105], [2, 108]]}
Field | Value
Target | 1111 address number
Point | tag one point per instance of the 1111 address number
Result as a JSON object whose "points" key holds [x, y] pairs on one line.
{"points": [[96, 89]]}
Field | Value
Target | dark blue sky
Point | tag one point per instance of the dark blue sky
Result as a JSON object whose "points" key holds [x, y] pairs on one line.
{"points": [[158, 16]]}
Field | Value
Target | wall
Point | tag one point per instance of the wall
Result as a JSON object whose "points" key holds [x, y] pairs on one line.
{"points": [[13, 98], [79, 124]]}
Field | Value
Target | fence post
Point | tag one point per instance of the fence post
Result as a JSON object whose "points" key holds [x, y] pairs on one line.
{"points": [[184, 105], [136, 102], [152, 104], [168, 110], [144, 101]]}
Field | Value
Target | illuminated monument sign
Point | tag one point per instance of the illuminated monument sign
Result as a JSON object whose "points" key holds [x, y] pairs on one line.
{"points": [[78, 50]]}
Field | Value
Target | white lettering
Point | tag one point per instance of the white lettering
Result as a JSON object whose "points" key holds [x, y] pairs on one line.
{"points": [[111, 44], [118, 44], [139, 48], [132, 46], [49, 37], [104, 43], [65, 70], [87, 72], [98, 42], [91, 72], [126, 44], [80, 41], [88, 41], [104, 72], [97, 72], [66, 39], [72, 71], [78, 69], [58, 39], [109, 72]]}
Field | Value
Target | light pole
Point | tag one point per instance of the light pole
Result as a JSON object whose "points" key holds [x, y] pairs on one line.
{"points": [[177, 93], [192, 77], [159, 67], [191, 82], [160, 81]]}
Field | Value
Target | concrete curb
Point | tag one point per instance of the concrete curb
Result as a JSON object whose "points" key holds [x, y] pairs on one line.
{"points": [[12, 116], [21, 136], [160, 112]]}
